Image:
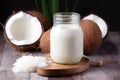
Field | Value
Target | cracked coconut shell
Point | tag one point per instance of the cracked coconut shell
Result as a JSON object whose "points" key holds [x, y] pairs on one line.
{"points": [[23, 30]]}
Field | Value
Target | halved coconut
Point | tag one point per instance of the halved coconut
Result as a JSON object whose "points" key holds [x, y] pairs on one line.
{"points": [[43, 20], [100, 22], [23, 30]]}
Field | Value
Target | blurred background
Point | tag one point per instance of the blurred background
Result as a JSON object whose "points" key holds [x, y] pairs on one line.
{"points": [[109, 10]]}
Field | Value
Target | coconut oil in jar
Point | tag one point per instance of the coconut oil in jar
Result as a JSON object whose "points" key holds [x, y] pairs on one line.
{"points": [[66, 38]]}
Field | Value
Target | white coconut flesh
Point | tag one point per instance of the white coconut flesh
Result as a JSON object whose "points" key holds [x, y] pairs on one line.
{"points": [[100, 22], [23, 29]]}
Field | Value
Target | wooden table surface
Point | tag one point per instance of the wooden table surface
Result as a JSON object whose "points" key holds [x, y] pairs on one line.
{"points": [[109, 52]]}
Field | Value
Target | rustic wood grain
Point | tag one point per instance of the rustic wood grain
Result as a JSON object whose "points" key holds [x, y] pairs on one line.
{"points": [[35, 76], [102, 74], [10, 55], [55, 69], [109, 52], [96, 74], [6, 74], [114, 73], [77, 77], [21, 76]]}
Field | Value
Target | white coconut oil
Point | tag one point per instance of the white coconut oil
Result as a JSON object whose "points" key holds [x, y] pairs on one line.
{"points": [[66, 38]]}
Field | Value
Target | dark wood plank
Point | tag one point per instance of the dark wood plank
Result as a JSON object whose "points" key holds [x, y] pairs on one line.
{"points": [[8, 58], [62, 78], [96, 74], [22, 76], [10, 55], [102, 74], [6, 74], [114, 73], [109, 53], [77, 77], [35, 76], [109, 71]]}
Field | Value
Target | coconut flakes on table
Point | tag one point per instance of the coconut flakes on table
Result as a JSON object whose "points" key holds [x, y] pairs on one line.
{"points": [[28, 63]]}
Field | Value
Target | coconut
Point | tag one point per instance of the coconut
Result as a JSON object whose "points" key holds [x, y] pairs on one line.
{"points": [[45, 42], [43, 20], [94, 29], [24, 29], [92, 36], [100, 22]]}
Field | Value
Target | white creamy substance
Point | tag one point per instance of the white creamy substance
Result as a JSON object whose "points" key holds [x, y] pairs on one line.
{"points": [[28, 63], [66, 43]]}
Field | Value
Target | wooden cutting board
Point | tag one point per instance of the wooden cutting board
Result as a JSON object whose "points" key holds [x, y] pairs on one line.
{"points": [[54, 69]]}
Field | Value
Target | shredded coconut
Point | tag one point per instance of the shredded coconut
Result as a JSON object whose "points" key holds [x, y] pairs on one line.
{"points": [[28, 63]]}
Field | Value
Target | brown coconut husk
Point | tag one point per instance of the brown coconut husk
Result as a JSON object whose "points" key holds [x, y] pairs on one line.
{"points": [[45, 42], [92, 36], [23, 48], [100, 17]]}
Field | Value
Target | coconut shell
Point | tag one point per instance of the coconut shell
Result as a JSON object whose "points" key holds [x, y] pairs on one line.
{"points": [[45, 42], [45, 26], [23, 48], [92, 36], [44, 21]]}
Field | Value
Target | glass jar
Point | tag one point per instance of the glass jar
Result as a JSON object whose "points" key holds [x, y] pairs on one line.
{"points": [[66, 38]]}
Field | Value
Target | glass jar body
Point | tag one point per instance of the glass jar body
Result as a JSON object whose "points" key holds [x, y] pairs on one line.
{"points": [[66, 42]]}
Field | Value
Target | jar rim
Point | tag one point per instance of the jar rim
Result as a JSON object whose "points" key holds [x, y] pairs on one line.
{"points": [[66, 15], [66, 18]]}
